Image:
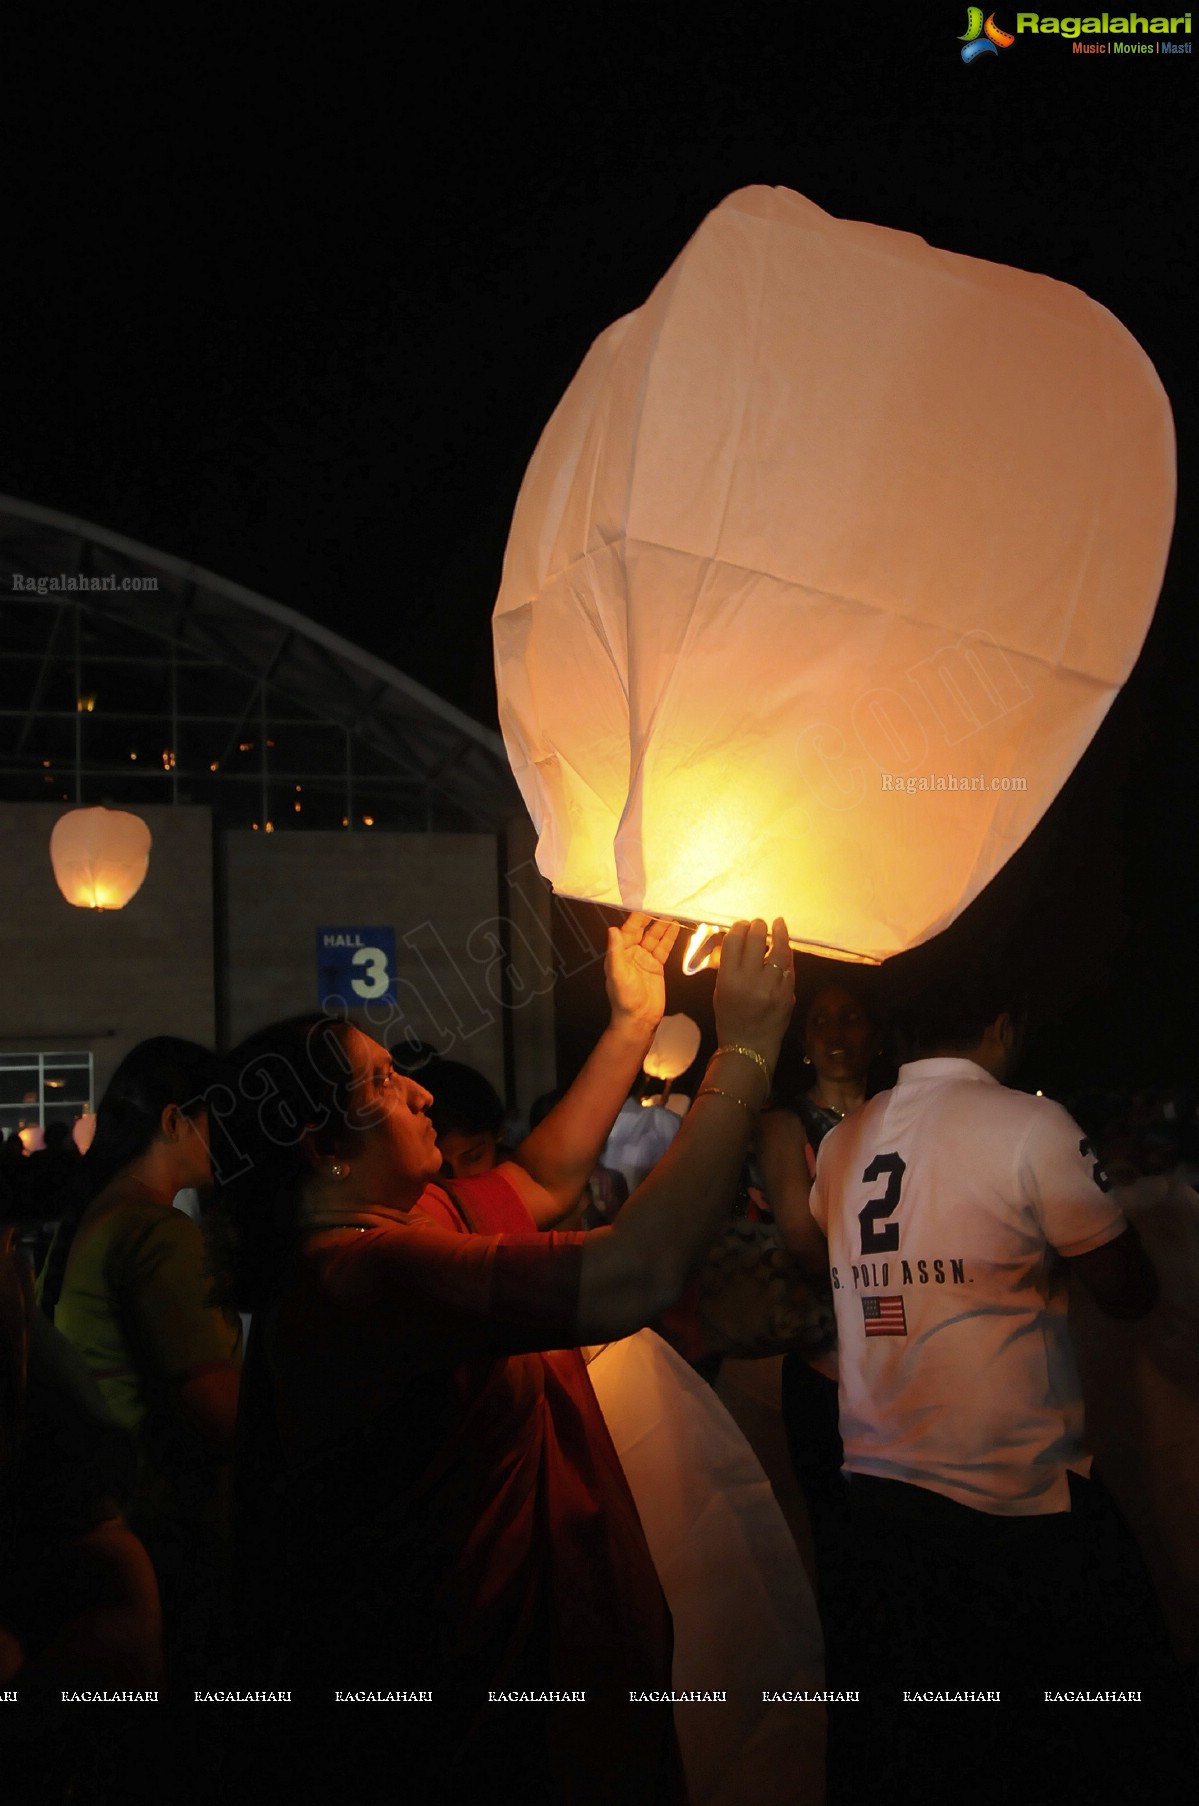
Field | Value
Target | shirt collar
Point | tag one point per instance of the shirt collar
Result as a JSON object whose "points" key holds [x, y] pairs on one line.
{"points": [[944, 1066]]}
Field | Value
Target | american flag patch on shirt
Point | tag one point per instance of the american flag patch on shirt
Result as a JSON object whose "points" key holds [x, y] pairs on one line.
{"points": [[884, 1317]]}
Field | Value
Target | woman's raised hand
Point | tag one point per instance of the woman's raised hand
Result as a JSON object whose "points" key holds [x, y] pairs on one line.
{"points": [[633, 970], [755, 987]]}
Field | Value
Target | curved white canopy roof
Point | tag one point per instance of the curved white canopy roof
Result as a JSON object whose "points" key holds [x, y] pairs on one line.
{"points": [[129, 673]]}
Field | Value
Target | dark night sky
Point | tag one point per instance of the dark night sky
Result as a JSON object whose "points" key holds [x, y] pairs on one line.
{"points": [[295, 303]]}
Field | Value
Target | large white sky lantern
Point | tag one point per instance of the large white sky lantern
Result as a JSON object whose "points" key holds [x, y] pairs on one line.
{"points": [[825, 571], [100, 856]]}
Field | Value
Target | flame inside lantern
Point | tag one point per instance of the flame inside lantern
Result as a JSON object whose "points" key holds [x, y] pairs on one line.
{"points": [[707, 938], [703, 948]]}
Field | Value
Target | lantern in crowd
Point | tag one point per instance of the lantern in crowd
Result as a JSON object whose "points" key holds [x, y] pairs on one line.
{"points": [[672, 1051], [825, 571], [673, 1048], [99, 857]]}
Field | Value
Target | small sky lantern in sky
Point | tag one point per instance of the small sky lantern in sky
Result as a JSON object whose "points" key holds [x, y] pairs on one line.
{"points": [[100, 856], [825, 571], [646, 1126]]}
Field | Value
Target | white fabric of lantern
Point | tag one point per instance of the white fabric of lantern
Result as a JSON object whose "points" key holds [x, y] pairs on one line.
{"points": [[673, 1048], [825, 571], [100, 857], [744, 1617]]}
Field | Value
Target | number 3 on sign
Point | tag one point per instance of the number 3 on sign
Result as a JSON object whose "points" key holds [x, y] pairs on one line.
{"points": [[881, 1241], [375, 979]]}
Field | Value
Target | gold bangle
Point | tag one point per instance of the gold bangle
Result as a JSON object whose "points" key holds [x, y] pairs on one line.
{"points": [[715, 1091], [751, 1053]]}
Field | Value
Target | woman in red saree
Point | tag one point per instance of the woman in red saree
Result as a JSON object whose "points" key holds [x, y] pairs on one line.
{"points": [[430, 1501]]}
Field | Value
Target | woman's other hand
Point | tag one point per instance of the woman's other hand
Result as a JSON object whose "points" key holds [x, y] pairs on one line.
{"points": [[755, 987]]}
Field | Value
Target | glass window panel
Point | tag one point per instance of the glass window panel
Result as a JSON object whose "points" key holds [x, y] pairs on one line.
{"points": [[45, 1087]]}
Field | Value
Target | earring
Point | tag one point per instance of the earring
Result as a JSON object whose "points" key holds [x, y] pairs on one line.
{"points": [[807, 1059], [338, 1170]]}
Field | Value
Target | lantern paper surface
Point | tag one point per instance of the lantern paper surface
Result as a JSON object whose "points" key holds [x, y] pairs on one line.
{"points": [[100, 856], [824, 573], [745, 1620]]}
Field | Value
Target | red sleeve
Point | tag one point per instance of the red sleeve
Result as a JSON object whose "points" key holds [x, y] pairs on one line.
{"points": [[452, 1292], [488, 1204]]}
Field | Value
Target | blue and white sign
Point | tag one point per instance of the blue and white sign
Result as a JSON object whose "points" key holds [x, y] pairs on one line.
{"points": [[355, 966]]}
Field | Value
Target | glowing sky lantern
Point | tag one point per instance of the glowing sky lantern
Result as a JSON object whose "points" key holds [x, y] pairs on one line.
{"points": [[83, 1131], [100, 856], [825, 571], [673, 1050]]}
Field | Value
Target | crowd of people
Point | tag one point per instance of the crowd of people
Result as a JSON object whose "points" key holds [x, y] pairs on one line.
{"points": [[404, 1483]]}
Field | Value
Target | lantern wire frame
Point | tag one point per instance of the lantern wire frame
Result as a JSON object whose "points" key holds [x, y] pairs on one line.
{"points": [[707, 938]]}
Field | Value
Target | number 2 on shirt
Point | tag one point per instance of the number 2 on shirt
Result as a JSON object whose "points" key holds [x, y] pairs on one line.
{"points": [[885, 1240]]}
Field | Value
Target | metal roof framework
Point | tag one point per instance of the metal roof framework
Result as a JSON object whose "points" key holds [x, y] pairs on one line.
{"points": [[128, 675]]}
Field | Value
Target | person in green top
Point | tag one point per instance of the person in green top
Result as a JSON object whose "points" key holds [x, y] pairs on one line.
{"points": [[127, 1282]]}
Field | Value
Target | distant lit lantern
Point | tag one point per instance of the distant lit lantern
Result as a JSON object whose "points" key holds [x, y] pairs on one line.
{"points": [[824, 573], [674, 1047], [99, 856]]}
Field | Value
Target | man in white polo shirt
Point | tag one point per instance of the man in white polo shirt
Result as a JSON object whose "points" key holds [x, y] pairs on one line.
{"points": [[947, 1202]]}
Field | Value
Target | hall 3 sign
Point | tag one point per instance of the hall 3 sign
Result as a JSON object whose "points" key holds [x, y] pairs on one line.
{"points": [[355, 966]]}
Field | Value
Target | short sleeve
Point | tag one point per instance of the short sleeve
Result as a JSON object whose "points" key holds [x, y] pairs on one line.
{"points": [[1060, 1174], [420, 1284], [165, 1291]]}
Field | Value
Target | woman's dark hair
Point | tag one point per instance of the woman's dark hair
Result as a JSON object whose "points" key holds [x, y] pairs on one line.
{"points": [[290, 1078], [153, 1075]]}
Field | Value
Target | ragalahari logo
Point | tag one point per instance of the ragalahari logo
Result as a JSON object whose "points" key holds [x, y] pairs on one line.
{"points": [[980, 38]]}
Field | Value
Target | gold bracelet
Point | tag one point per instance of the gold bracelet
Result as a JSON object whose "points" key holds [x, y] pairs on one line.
{"points": [[757, 1058], [751, 1053], [715, 1091]]}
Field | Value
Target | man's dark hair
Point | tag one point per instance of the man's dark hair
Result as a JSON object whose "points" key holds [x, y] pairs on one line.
{"points": [[953, 1012]]}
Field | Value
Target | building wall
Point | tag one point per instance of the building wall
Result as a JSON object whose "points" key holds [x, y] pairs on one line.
{"points": [[438, 892], [213, 954], [78, 980]]}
